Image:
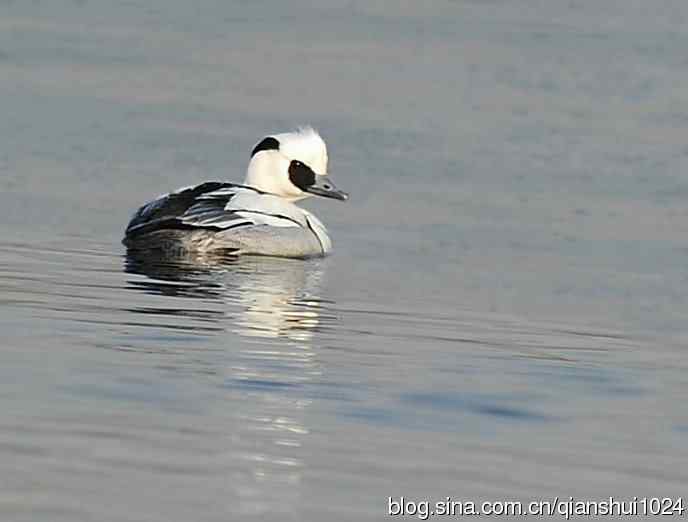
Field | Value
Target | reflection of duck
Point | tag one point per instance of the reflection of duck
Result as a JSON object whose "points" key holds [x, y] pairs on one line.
{"points": [[275, 297], [176, 277], [279, 299], [274, 306]]}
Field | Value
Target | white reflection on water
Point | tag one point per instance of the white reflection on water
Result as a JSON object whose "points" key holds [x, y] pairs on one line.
{"points": [[276, 308], [264, 297], [279, 298]]}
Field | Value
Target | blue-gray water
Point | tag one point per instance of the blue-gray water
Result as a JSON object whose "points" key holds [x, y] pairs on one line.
{"points": [[504, 315]]}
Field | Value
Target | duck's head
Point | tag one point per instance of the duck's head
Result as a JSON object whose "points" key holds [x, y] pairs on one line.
{"points": [[292, 165]]}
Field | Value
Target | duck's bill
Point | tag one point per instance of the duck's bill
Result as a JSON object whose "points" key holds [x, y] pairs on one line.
{"points": [[325, 188]]}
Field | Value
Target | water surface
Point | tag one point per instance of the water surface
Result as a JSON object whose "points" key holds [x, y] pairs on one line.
{"points": [[504, 315]]}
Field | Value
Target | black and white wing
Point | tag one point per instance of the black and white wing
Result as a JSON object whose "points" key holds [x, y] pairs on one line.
{"points": [[202, 206]]}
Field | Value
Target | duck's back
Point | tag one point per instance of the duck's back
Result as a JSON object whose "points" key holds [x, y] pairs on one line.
{"points": [[218, 217]]}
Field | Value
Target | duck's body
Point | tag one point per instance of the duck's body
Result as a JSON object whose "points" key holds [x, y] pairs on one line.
{"points": [[258, 217], [226, 218]]}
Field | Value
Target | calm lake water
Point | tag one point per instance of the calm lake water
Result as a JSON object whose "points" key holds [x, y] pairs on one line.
{"points": [[505, 312]]}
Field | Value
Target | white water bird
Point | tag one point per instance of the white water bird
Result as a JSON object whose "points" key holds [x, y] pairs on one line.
{"points": [[257, 217]]}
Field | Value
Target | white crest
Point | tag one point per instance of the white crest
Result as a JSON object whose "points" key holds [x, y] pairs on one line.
{"points": [[307, 146]]}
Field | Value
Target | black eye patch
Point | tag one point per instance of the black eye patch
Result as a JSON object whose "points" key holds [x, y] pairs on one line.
{"points": [[268, 143], [301, 175]]}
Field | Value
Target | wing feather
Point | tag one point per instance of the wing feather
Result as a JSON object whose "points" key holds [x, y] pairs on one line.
{"points": [[209, 206], [200, 206]]}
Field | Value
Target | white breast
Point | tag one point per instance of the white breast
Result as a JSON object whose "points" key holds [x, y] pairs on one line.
{"points": [[266, 209]]}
